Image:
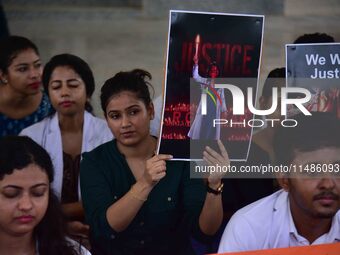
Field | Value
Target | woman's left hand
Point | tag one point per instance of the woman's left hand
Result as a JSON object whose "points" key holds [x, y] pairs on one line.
{"points": [[214, 158]]}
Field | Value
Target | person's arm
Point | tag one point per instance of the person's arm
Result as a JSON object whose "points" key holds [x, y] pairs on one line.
{"points": [[73, 210], [120, 214], [195, 74], [197, 77], [96, 193], [211, 216]]}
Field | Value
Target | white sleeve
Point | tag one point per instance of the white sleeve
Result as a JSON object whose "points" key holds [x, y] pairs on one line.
{"points": [[82, 250], [35, 132], [197, 77], [238, 236], [85, 251]]}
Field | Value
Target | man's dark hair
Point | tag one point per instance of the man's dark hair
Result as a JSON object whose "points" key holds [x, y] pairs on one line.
{"points": [[314, 38], [275, 78]]}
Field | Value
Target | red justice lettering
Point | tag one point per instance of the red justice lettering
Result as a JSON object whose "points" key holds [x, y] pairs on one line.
{"points": [[233, 59]]}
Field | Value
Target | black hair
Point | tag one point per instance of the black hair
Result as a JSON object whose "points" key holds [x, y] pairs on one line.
{"points": [[136, 81], [213, 63], [312, 133], [10, 47], [314, 38], [275, 78], [78, 65], [17, 152]]}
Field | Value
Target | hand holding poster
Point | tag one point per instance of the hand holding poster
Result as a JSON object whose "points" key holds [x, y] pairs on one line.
{"points": [[205, 51]]}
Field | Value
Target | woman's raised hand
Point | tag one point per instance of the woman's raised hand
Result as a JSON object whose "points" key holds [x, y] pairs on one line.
{"points": [[214, 158], [155, 168]]}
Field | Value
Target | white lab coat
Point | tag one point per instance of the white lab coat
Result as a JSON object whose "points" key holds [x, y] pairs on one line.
{"points": [[47, 134]]}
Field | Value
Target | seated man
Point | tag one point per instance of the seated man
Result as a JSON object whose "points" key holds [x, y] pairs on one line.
{"points": [[306, 210]]}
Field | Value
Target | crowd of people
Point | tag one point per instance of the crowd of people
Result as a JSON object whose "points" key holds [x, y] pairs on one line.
{"points": [[73, 183]]}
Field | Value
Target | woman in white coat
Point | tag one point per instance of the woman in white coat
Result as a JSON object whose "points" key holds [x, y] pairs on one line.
{"points": [[70, 131]]}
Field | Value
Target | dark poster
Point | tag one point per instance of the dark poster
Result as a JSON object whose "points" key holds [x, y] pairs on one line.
{"points": [[315, 67], [204, 50]]}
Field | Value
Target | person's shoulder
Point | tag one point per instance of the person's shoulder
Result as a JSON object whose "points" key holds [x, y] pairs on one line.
{"points": [[101, 149], [97, 128], [100, 159], [95, 119], [337, 217], [36, 130], [249, 228], [259, 214], [260, 208]]}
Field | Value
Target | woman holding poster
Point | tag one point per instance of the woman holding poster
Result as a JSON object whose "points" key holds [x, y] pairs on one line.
{"points": [[137, 202]]}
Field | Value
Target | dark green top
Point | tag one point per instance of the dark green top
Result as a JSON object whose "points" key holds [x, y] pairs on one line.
{"points": [[164, 223]]}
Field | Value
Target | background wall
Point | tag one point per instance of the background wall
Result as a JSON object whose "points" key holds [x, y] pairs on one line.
{"points": [[115, 35]]}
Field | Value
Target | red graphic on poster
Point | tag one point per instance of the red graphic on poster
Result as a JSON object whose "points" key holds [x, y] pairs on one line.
{"points": [[203, 49]]}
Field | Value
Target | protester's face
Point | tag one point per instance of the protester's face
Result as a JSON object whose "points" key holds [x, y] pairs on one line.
{"points": [[67, 91], [128, 118], [213, 72], [24, 73], [312, 194], [23, 200]]}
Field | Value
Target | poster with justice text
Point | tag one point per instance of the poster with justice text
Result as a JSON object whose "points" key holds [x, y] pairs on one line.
{"points": [[213, 62]]}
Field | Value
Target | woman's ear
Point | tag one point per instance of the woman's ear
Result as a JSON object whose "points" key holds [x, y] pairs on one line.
{"points": [[283, 180], [151, 110], [3, 77]]}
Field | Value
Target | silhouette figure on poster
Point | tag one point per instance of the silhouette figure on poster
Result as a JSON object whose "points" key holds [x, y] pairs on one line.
{"points": [[202, 126]]}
